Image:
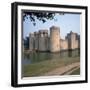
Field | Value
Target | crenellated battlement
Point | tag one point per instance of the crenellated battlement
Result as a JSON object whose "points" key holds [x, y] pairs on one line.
{"points": [[43, 33]]}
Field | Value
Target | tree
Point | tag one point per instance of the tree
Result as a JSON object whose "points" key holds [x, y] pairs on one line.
{"points": [[41, 16]]}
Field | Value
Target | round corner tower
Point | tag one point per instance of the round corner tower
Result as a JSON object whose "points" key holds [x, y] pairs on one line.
{"points": [[54, 39]]}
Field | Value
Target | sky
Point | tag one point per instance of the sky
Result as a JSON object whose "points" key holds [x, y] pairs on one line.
{"points": [[67, 22]]}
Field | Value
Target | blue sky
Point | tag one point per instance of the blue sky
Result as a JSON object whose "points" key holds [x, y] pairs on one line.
{"points": [[67, 22]]}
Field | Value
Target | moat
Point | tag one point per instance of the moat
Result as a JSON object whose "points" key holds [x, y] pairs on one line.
{"points": [[36, 57]]}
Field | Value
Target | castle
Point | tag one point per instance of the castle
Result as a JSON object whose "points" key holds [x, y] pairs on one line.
{"points": [[41, 41]]}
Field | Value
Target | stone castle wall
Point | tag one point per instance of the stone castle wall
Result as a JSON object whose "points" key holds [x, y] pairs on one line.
{"points": [[31, 41], [43, 40], [63, 44], [36, 38], [40, 41]]}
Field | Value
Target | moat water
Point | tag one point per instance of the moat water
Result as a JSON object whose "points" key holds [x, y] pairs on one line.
{"points": [[36, 57]]}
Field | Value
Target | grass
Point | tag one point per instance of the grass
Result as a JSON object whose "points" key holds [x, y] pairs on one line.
{"points": [[38, 69], [76, 72]]}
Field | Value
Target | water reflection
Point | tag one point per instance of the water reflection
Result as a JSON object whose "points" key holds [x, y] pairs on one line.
{"points": [[40, 56]]}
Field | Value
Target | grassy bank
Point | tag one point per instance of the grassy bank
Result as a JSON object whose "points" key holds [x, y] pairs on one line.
{"points": [[76, 72], [38, 69]]}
